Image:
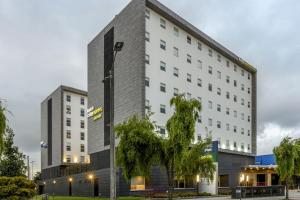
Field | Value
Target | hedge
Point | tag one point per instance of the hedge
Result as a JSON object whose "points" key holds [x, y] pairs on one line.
{"points": [[16, 188]]}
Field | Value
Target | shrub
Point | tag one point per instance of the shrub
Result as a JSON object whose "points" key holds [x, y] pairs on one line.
{"points": [[16, 188]]}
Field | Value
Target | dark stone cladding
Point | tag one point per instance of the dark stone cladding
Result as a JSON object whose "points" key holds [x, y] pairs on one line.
{"points": [[231, 164]]}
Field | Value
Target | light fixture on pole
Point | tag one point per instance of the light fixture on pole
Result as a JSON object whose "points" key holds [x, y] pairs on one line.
{"points": [[117, 47]]}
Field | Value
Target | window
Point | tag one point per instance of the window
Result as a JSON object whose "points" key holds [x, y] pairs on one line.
{"points": [[249, 76], [248, 147], [249, 104], [68, 135], [82, 136], [189, 39], [147, 105], [210, 122], [147, 81], [188, 58], [68, 98], [234, 145], [81, 147], [82, 100], [249, 118], [188, 96], [175, 51], [162, 66], [219, 108], [242, 146], [227, 79], [227, 63], [162, 44], [68, 109], [235, 83], [147, 36], [227, 95], [175, 93], [248, 90], [234, 129], [68, 122], [82, 112], [199, 64], [68, 159], [242, 87], [82, 158], [147, 14], [189, 78], [219, 57], [68, 147], [227, 127], [227, 144], [235, 114], [235, 68], [219, 91], [242, 72], [176, 31], [210, 53], [235, 98], [242, 102], [210, 69], [199, 46], [242, 116], [162, 109], [162, 130], [210, 104], [162, 23], [218, 124], [81, 124], [219, 75], [210, 87], [199, 119], [242, 131], [147, 59], [199, 82], [162, 87], [248, 132], [175, 72], [227, 111]]}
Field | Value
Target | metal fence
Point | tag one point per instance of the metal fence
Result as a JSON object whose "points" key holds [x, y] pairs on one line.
{"points": [[259, 191]]}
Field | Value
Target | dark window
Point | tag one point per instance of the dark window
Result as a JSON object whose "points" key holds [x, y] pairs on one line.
{"points": [[162, 66], [189, 78], [175, 72], [68, 98], [82, 101], [189, 58], [162, 109], [162, 130], [82, 136], [68, 122], [68, 134], [162, 87], [68, 147], [235, 83], [162, 44], [81, 124], [188, 39], [210, 87], [147, 81], [82, 148], [82, 112]]}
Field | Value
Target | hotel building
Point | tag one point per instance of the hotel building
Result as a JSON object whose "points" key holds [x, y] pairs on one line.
{"points": [[163, 56]]}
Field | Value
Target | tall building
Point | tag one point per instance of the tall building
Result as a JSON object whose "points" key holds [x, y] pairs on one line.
{"points": [[64, 128], [163, 56]]}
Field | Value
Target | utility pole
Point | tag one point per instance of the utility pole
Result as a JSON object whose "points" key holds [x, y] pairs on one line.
{"points": [[28, 168]]}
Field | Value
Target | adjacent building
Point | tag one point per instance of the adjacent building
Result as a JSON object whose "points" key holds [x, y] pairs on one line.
{"points": [[64, 128]]}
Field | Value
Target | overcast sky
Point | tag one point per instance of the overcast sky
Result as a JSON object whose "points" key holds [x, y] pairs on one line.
{"points": [[43, 44]]}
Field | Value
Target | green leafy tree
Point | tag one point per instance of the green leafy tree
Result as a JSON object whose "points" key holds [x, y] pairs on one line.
{"points": [[288, 160], [12, 162], [37, 177], [140, 147], [2, 127]]}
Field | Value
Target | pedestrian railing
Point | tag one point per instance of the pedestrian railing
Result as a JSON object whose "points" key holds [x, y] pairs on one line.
{"points": [[258, 191]]}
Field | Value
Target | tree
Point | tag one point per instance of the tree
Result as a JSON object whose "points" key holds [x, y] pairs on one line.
{"points": [[2, 127], [37, 177], [288, 160], [140, 147], [12, 162]]}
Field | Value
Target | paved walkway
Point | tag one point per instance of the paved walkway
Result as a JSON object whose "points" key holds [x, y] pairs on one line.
{"points": [[294, 195]]}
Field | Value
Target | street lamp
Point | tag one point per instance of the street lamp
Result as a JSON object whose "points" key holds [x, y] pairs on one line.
{"points": [[117, 47], [198, 180], [54, 182], [91, 177], [70, 186]]}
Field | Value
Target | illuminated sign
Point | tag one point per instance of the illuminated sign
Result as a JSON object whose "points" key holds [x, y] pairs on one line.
{"points": [[95, 113]]}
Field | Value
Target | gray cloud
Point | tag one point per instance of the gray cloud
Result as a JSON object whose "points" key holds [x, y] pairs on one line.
{"points": [[43, 44]]}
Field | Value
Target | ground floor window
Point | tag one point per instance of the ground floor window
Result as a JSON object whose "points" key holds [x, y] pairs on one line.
{"points": [[224, 180], [137, 183]]}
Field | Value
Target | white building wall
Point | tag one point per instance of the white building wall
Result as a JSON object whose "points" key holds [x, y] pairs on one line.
{"points": [[75, 128], [157, 76]]}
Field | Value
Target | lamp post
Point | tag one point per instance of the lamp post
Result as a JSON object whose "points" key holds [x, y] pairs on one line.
{"points": [[117, 47], [91, 177], [54, 182], [197, 180], [70, 186]]}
